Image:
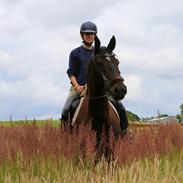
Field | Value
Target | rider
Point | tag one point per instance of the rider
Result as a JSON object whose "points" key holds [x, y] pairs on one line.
{"points": [[78, 61]]}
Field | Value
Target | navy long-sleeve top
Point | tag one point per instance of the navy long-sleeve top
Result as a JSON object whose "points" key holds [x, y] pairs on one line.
{"points": [[78, 61]]}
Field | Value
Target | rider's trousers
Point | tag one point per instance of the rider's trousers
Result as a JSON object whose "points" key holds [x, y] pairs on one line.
{"points": [[71, 103]]}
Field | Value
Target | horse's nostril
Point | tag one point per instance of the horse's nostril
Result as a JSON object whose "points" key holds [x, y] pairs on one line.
{"points": [[117, 90]]}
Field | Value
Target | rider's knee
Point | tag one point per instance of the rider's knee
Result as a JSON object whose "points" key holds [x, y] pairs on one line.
{"points": [[75, 104]]}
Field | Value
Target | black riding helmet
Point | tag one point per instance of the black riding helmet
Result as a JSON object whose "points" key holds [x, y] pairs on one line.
{"points": [[88, 27]]}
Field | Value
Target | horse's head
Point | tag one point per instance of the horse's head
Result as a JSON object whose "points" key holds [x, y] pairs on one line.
{"points": [[107, 64]]}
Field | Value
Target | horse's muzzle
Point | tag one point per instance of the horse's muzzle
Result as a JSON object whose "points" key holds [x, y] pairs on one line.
{"points": [[118, 92]]}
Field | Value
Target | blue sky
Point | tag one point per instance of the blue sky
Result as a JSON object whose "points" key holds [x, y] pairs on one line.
{"points": [[37, 36]]}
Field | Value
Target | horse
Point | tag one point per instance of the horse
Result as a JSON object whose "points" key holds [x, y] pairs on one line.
{"points": [[103, 82]]}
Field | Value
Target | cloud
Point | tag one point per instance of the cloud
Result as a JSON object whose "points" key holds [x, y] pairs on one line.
{"points": [[37, 36], [5, 59]]}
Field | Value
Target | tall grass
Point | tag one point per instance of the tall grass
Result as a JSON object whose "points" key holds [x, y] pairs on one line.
{"points": [[166, 169], [29, 153]]}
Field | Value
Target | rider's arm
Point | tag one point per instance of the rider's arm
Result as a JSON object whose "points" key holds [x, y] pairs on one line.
{"points": [[74, 81], [73, 70], [78, 88]]}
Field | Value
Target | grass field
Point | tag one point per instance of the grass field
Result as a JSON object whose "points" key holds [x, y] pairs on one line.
{"points": [[54, 123], [36, 151]]}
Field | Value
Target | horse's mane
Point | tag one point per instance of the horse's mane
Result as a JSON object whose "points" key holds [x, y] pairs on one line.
{"points": [[90, 75], [94, 79], [98, 102]]}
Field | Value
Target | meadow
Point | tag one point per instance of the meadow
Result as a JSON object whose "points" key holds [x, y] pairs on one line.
{"points": [[42, 151]]}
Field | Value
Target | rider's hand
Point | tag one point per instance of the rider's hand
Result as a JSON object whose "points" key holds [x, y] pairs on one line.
{"points": [[80, 88]]}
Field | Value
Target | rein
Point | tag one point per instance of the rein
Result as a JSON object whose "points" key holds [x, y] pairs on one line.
{"points": [[97, 97]]}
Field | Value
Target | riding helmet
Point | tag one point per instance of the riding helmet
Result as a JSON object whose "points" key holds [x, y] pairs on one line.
{"points": [[88, 27]]}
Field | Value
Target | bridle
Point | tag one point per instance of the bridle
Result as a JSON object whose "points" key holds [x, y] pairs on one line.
{"points": [[107, 82]]}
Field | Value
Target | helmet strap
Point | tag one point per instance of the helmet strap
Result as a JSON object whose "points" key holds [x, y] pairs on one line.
{"points": [[87, 43]]}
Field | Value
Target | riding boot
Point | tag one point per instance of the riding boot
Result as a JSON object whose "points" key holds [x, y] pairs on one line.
{"points": [[123, 116], [64, 117]]}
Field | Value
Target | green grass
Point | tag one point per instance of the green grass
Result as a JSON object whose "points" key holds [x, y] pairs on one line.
{"points": [[54, 123], [164, 169]]}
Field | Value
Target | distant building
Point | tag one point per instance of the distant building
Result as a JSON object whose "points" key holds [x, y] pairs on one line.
{"points": [[167, 119]]}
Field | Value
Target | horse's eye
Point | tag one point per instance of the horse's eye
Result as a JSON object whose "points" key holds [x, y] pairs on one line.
{"points": [[100, 64]]}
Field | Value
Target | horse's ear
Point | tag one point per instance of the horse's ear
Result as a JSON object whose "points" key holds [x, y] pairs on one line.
{"points": [[112, 43], [97, 45]]}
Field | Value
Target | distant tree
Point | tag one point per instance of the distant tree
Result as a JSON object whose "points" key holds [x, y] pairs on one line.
{"points": [[181, 109], [179, 118], [132, 116], [163, 115]]}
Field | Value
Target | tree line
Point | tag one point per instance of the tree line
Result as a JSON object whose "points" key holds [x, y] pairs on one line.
{"points": [[135, 117]]}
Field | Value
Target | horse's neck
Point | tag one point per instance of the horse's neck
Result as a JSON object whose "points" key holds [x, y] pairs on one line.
{"points": [[96, 84], [98, 103]]}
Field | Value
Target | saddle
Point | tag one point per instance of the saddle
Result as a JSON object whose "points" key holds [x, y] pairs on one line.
{"points": [[80, 115]]}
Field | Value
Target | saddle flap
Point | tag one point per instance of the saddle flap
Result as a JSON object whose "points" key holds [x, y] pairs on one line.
{"points": [[82, 105], [114, 119]]}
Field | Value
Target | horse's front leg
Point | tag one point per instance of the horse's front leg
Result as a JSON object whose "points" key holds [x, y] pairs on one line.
{"points": [[103, 146]]}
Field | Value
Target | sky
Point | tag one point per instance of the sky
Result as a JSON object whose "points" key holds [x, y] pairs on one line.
{"points": [[36, 38]]}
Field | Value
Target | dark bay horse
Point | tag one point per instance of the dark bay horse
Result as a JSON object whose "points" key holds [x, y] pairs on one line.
{"points": [[103, 81]]}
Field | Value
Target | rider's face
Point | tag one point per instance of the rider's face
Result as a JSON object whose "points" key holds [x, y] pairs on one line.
{"points": [[88, 37]]}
